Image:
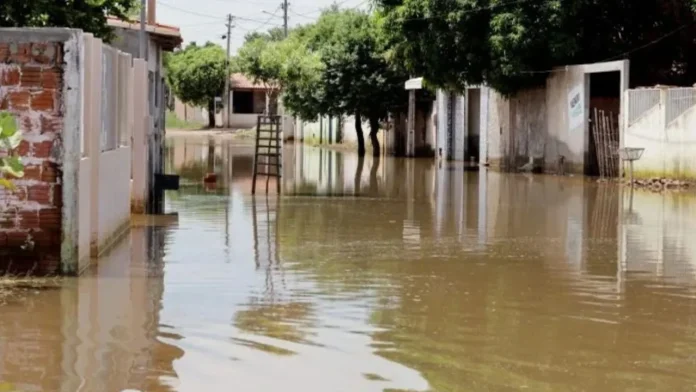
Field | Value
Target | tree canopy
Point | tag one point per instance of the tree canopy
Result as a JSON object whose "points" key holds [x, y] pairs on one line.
{"points": [[197, 75], [511, 45], [88, 15], [336, 66]]}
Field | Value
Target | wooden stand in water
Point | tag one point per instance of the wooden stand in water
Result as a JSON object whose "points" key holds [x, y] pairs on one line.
{"points": [[268, 153], [606, 135]]}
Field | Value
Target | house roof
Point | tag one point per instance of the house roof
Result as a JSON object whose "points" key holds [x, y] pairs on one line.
{"points": [[241, 82], [169, 37]]}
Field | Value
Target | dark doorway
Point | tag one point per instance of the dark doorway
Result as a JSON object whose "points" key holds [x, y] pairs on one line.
{"points": [[603, 137], [473, 134], [243, 102]]}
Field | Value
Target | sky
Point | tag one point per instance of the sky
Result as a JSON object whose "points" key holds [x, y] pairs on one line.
{"points": [[204, 20]]}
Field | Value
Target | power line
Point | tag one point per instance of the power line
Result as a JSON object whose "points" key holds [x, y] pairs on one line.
{"points": [[221, 19], [189, 11]]}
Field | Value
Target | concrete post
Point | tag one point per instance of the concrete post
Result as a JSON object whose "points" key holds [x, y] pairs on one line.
{"points": [[94, 130], [411, 126], [140, 129]]}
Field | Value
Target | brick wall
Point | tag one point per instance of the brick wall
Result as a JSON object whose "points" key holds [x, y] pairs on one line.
{"points": [[30, 218]]}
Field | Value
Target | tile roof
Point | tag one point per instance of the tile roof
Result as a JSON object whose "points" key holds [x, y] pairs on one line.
{"points": [[240, 81]]}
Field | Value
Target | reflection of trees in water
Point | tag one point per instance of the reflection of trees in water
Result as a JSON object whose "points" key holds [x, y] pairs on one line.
{"points": [[101, 332], [270, 315], [505, 316], [276, 319]]}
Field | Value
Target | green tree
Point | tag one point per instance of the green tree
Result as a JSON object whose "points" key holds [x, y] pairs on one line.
{"points": [[358, 79], [262, 59], [197, 75], [511, 45], [10, 164], [88, 15]]}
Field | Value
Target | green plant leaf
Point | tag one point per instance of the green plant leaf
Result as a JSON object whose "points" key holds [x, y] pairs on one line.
{"points": [[12, 166], [8, 125], [5, 183]]}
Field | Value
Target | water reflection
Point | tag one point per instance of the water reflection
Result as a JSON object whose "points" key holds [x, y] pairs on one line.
{"points": [[374, 275], [99, 333]]}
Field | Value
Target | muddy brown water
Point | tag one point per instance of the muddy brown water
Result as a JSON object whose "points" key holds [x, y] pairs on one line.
{"points": [[387, 275]]}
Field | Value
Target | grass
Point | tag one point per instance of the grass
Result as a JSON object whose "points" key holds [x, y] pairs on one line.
{"points": [[174, 122]]}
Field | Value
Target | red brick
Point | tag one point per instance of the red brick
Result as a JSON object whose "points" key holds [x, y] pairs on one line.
{"points": [[16, 238], [7, 222], [23, 149], [51, 124], [20, 52], [52, 78], [18, 100], [10, 77], [43, 53], [50, 218], [43, 149], [31, 76], [46, 238], [18, 194], [4, 52], [29, 220], [39, 193], [44, 100], [49, 172], [32, 173], [58, 196]]}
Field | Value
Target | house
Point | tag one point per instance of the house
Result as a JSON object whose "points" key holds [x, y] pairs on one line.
{"points": [[547, 128], [248, 101]]}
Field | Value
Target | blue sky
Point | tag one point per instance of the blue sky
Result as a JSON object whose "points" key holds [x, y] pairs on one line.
{"points": [[204, 20]]}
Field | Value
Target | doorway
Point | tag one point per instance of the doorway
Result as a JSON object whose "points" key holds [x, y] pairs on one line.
{"points": [[473, 134], [602, 154]]}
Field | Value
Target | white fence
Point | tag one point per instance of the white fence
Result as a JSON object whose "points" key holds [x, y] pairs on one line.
{"points": [[113, 142], [663, 121]]}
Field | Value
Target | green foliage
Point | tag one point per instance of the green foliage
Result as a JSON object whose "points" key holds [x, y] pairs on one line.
{"points": [[88, 15], [263, 60], [512, 45], [10, 138], [174, 122], [336, 66], [197, 74]]}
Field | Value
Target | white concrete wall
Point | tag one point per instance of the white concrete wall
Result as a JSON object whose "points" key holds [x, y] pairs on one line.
{"points": [[243, 121], [114, 194], [110, 125], [85, 208], [532, 123], [670, 149]]}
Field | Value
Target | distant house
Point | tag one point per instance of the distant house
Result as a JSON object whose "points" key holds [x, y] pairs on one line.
{"points": [[248, 101]]}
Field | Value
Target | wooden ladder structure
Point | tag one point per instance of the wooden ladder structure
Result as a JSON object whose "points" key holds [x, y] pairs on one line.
{"points": [[268, 153]]}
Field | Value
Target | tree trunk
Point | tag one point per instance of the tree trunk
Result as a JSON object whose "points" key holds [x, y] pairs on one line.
{"points": [[374, 129], [357, 180], [374, 184], [211, 113], [359, 131]]}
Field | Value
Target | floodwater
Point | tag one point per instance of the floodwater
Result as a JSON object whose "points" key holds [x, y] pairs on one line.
{"points": [[388, 275]]}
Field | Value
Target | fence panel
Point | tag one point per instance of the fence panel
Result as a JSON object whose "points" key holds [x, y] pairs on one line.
{"points": [[679, 100], [641, 102], [109, 93]]}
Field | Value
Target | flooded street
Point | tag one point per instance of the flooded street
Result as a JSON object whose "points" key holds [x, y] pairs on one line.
{"points": [[375, 275]]}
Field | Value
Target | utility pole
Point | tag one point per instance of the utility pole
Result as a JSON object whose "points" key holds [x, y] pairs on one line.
{"points": [[143, 37], [228, 109], [285, 17]]}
